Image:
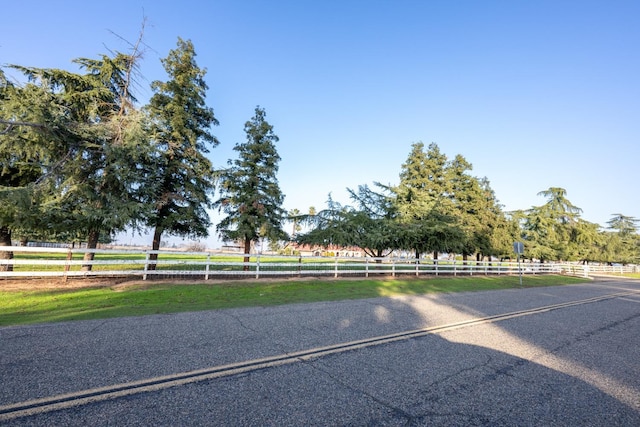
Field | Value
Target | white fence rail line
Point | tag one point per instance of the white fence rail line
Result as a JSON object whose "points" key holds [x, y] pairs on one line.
{"points": [[50, 262]]}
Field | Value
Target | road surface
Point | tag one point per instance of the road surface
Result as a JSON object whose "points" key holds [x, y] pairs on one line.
{"points": [[566, 355]]}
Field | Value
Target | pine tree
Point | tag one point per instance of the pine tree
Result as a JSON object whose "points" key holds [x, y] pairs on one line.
{"points": [[422, 187], [423, 203], [91, 143], [496, 238], [102, 193], [478, 212], [623, 224], [25, 152], [250, 194], [551, 228], [183, 176], [623, 242], [370, 225]]}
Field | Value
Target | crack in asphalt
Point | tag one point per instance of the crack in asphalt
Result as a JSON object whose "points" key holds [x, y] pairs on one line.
{"points": [[396, 411], [241, 323]]}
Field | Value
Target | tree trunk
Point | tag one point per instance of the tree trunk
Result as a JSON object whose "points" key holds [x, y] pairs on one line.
{"points": [[435, 255], [92, 243], [247, 251], [155, 246], [5, 240], [378, 257]]}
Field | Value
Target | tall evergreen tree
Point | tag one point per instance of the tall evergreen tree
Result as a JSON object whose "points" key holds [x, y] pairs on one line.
{"points": [[183, 177], [477, 210], [95, 143], [102, 182], [423, 204], [623, 224], [623, 242], [468, 205], [423, 184], [495, 235], [551, 229], [250, 195], [558, 207]]}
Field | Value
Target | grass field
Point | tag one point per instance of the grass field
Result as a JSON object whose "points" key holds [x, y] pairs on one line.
{"points": [[137, 299]]}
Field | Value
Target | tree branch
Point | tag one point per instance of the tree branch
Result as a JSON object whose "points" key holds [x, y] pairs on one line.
{"points": [[11, 124]]}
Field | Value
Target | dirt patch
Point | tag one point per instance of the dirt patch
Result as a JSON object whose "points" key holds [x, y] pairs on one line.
{"points": [[115, 283], [126, 283], [36, 284]]}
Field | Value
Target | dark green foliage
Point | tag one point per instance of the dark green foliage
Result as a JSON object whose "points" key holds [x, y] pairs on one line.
{"points": [[428, 202], [249, 192], [84, 162], [552, 227], [82, 146], [623, 224], [370, 226], [555, 231], [436, 207], [182, 176], [622, 242]]}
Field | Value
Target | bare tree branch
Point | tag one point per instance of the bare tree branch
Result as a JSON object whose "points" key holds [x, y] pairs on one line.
{"points": [[12, 124]]}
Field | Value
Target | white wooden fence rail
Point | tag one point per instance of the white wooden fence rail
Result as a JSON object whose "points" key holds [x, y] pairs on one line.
{"points": [[59, 262]]}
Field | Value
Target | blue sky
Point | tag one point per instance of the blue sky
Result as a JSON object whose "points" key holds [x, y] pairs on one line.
{"points": [[535, 94]]}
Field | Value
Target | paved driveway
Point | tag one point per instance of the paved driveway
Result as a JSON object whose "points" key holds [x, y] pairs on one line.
{"points": [[543, 356]]}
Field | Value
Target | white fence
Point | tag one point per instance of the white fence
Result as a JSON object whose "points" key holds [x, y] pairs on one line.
{"points": [[66, 263]]}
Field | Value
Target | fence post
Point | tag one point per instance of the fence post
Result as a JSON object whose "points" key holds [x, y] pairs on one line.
{"points": [[455, 272], [366, 267], [435, 263], [257, 265], [146, 266], [417, 267], [393, 267], [206, 268], [335, 268], [67, 264]]}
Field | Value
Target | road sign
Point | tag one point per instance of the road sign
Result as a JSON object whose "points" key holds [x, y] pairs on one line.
{"points": [[518, 247]]}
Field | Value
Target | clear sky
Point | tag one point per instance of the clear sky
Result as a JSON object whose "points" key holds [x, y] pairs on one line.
{"points": [[534, 94]]}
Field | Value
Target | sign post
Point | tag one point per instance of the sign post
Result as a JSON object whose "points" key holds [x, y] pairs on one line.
{"points": [[518, 248]]}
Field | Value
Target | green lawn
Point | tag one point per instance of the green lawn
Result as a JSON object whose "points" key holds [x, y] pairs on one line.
{"points": [[38, 306]]}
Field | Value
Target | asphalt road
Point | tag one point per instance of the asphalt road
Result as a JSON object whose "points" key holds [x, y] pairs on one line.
{"points": [[560, 356]]}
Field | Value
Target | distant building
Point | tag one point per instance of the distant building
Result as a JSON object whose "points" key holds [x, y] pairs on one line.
{"points": [[232, 247]]}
